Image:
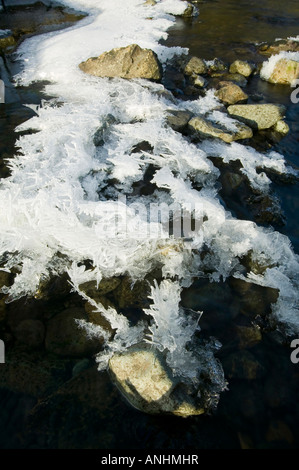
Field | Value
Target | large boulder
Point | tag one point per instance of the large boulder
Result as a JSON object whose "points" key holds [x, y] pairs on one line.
{"points": [[257, 116], [144, 378], [124, 62], [65, 338], [206, 129], [285, 72]]}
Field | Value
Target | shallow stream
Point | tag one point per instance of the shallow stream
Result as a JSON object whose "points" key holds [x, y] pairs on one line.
{"points": [[63, 402]]}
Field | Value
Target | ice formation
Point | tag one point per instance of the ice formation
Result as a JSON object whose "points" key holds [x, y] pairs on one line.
{"points": [[269, 65], [60, 205]]}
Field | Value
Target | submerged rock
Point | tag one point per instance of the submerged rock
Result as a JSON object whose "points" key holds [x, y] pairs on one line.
{"points": [[243, 365], [144, 378], [103, 131], [7, 43], [242, 67], [104, 287], [248, 336], [35, 373], [205, 129], [257, 116], [230, 93], [285, 72], [285, 45], [129, 294], [236, 78], [178, 120], [30, 333], [124, 62], [65, 338], [19, 21]]}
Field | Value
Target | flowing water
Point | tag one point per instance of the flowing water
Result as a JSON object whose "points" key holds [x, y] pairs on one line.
{"points": [[64, 402]]}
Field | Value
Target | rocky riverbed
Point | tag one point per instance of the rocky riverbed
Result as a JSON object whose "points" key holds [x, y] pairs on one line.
{"points": [[50, 370]]}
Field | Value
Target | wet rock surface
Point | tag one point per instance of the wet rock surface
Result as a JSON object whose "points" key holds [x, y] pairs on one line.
{"points": [[283, 45], [147, 382], [259, 116], [206, 129]]}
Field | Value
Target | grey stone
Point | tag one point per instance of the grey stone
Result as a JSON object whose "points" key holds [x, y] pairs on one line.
{"points": [[178, 120], [257, 116], [206, 129]]}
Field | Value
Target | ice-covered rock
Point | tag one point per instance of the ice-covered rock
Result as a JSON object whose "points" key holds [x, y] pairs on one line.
{"points": [[282, 68], [124, 62], [285, 72], [190, 11], [205, 129]]}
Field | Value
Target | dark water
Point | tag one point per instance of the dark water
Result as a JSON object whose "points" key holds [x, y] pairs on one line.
{"points": [[230, 29], [46, 404]]}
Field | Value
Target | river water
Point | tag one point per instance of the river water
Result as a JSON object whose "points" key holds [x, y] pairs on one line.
{"points": [[259, 409]]}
